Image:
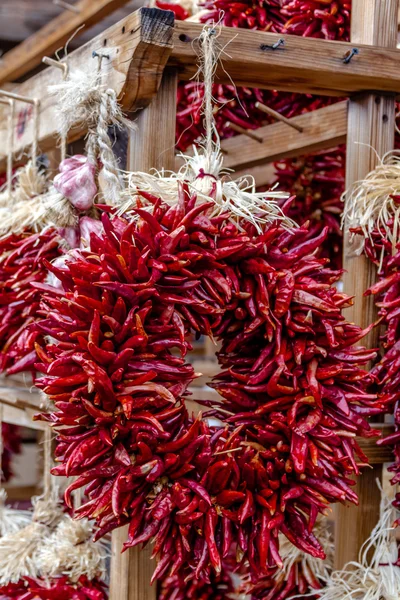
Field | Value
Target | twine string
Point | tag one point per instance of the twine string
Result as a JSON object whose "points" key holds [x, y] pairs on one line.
{"points": [[10, 147], [110, 170], [35, 122], [208, 66], [64, 135]]}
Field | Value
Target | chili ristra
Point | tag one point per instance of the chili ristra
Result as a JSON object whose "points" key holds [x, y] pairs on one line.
{"points": [[293, 393], [385, 373], [20, 267]]}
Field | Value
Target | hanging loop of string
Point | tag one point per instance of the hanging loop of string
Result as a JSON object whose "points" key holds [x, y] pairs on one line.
{"points": [[64, 135], [35, 124], [47, 463], [209, 53], [10, 146]]}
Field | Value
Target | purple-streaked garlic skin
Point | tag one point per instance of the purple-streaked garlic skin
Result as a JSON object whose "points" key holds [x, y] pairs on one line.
{"points": [[77, 181]]}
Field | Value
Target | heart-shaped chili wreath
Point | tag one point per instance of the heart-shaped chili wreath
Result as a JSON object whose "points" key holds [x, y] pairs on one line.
{"points": [[292, 390]]}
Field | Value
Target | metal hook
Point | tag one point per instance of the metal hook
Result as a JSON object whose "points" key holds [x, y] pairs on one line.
{"points": [[349, 55], [99, 55], [280, 42], [50, 62], [18, 97]]}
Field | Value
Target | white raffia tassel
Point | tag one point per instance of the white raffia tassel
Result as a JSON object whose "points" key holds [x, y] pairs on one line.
{"points": [[18, 550], [369, 205], [70, 551], [236, 197], [375, 579], [27, 211], [11, 519]]}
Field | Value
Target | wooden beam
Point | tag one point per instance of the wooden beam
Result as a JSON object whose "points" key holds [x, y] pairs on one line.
{"points": [[21, 417], [53, 36], [151, 146], [306, 65], [322, 128], [21, 397], [371, 120], [138, 48]]}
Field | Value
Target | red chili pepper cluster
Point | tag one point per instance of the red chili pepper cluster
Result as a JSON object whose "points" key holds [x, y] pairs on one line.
{"points": [[317, 183], [292, 393], [300, 581], [21, 275], [57, 589], [187, 587], [11, 443], [328, 19]]}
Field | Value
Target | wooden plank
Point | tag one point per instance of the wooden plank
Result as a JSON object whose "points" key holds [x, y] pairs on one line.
{"points": [[22, 417], [53, 36], [370, 130], [322, 128], [138, 47], [152, 145], [305, 65], [20, 397]]}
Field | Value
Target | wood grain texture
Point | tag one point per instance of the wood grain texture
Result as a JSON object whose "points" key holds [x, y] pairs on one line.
{"points": [[152, 145], [377, 454], [370, 131], [323, 128], [300, 65], [53, 36], [138, 49]]}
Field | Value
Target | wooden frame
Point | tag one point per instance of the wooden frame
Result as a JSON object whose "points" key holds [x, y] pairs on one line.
{"points": [[139, 49]]}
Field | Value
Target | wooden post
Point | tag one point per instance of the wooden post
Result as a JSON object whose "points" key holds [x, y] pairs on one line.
{"points": [[370, 133], [152, 145]]}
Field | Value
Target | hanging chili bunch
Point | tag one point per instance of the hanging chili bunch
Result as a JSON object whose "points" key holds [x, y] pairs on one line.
{"points": [[385, 373], [20, 267], [371, 213], [293, 386]]}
